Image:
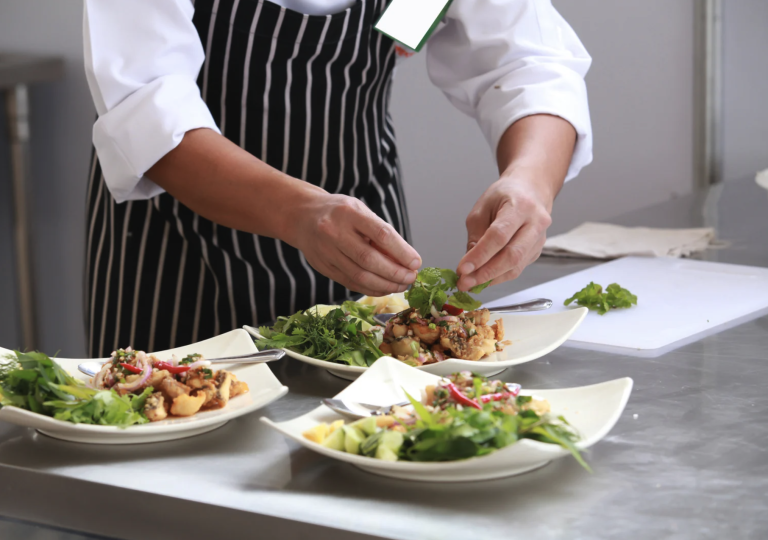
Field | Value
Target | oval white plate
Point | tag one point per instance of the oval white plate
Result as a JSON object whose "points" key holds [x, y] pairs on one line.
{"points": [[263, 385], [532, 336], [591, 410]]}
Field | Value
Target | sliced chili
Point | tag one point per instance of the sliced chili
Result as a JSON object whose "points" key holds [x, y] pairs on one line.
{"points": [[453, 310], [131, 368], [171, 368], [459, 397]]}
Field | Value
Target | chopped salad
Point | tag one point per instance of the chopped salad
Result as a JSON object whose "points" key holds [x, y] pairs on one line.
{"points": [[463, 416], [131, 388], [176, 387], [437, 323]]}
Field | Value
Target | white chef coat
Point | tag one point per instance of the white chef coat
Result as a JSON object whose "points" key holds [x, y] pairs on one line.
{"points": [[495, 60]]}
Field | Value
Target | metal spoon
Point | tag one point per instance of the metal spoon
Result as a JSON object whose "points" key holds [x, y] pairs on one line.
{"points": [[352, 409], [538, 304], [92, 367]]}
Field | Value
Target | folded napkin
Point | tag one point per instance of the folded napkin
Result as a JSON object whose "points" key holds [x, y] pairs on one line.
{"points": [[605, 241], [762, 179]]}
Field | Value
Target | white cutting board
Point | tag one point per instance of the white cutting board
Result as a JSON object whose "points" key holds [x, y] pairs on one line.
{"points": [[678, 301]]}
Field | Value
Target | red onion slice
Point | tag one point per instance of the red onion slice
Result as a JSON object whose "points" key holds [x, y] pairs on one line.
{"points": [[141, 358], [98, 379], [199, 363]]}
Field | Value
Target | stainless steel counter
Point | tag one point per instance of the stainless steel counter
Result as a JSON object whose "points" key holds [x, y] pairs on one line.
{"points": [[688, 459]]}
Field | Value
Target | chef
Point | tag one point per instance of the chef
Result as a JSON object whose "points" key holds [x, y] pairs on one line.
{"points": [[245, 163]]}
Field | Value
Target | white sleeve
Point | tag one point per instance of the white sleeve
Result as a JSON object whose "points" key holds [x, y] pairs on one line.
{"points": [[500, 61], [142, 59]]}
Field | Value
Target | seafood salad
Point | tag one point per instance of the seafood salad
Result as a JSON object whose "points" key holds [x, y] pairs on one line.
{"points": [[462, 416], [450, 333], [179, 387]]}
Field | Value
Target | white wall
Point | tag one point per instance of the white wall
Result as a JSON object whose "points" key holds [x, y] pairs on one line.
{"points": [[745, 88], [640, 88], [62, 115]]}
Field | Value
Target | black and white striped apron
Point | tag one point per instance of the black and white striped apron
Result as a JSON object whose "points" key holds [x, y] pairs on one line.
{"points": [[308, 95]]}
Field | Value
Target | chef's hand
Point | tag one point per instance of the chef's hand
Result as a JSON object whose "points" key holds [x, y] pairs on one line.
{"points": [[507, 227], [344, 240], [506, 231]]}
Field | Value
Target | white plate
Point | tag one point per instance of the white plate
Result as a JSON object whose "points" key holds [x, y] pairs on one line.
{"points": [[263, 385], [532, 336], [591, 410]]}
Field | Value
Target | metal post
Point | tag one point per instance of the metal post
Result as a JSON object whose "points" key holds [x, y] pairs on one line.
{"points": [[708, 92], [17, 107]]}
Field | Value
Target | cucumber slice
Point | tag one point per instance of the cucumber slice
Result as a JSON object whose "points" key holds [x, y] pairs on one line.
{"points": [[392, 440], [385, 454], [335, 441], [366, 425], [352, 439]]}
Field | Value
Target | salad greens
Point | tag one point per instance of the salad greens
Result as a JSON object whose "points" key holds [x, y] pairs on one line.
{"points": [[593, 297], [455, 433], [34, 382], [336, 336], [465, 415], [431, 288]]}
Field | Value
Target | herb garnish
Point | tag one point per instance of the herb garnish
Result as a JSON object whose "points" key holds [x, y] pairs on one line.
{"points": [[593, 297], [432, 286], [34, 382], [337, 336]]}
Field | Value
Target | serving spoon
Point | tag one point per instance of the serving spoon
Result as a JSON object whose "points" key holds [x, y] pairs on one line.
{"points": [[91, 368], [353, 409], [539, 304]]}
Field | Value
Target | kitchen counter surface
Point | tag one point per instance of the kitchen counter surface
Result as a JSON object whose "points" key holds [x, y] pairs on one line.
{"points": [[687, 459]]}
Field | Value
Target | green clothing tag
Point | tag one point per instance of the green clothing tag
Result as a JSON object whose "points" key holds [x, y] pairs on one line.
{"points": [[411, 22]]}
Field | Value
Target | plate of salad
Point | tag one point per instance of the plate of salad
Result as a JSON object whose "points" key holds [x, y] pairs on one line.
{"points": [[52, 396], [438, 329], [464, 427]]}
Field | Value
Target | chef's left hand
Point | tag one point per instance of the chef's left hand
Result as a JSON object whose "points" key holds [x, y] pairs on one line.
{"points": [[506, 229]]}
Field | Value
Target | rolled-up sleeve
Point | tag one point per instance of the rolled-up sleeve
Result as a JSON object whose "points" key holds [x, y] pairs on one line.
{"points": [[142, 59], [502, 60]]}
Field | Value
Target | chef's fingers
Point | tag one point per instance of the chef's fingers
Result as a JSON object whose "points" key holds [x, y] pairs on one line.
{"points": [[367, 257], [478, 221], [514, 274], [357, 279], [509, 261], [494, 240], [386, 239]]}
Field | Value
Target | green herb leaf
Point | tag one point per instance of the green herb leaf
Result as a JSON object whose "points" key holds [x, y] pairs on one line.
{"points": [[34, 382], [432, 288], [593, 297], [337, 336], [463, 300], [477, 289]]}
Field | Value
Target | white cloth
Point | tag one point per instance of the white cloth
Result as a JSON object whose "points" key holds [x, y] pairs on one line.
{"points": [[497, 61], [606, 241]]}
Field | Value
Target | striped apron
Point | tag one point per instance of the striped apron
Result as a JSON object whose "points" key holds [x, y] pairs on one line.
{"points": [[309, 95]]}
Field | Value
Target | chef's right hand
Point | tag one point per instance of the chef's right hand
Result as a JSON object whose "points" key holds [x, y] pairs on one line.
{"points": [[336, 233]]}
